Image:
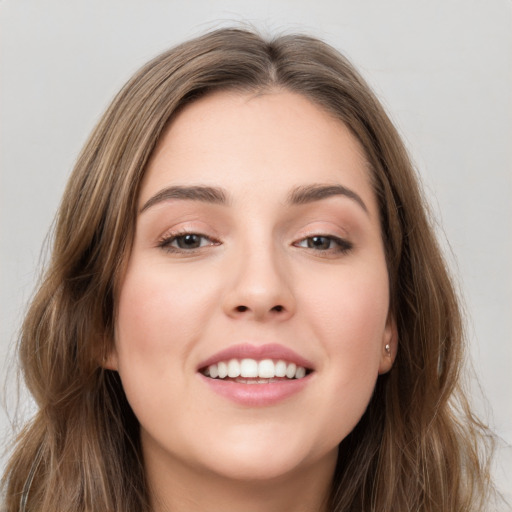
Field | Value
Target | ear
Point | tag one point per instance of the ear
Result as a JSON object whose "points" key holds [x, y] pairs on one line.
{"points": [[389, 345], [109, 360]]}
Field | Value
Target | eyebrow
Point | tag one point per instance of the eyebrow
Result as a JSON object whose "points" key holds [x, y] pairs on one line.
{"points": [[216, 195], [204, 194], [316, 192]]}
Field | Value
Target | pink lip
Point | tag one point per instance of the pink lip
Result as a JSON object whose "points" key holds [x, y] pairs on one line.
{"points": [[257, 395], [259, 352]]}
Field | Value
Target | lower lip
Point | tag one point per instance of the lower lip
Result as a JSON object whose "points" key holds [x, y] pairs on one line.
{"points": [[257, 395]]}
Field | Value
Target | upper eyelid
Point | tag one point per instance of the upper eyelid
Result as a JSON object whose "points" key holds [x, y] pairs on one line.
{"points": [[311, 229], [179, 234], [336, 233], [166, 243], [335, 238], [177, 231]]}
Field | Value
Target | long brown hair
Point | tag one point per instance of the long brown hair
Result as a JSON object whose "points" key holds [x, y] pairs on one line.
{"points": [[416, 447]]}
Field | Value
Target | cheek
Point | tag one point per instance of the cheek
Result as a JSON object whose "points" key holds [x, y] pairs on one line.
{"points": [[159, 310], [348, 308], [159, 319], [348, 317]]}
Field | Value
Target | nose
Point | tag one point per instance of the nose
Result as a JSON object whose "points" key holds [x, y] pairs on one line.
{"points": [[260, 288]]}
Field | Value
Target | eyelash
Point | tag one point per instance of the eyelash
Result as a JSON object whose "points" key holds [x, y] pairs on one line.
{"points": [[166, 241], [341, 246]]}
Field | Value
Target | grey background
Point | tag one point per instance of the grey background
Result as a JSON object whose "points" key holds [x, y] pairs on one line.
{"points": [[443, 70]]}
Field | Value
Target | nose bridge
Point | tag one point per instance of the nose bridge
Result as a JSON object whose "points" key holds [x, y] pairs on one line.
{"points": [[260, 283]]}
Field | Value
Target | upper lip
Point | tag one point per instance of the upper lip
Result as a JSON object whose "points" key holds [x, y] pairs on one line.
{"points": [[258, 352]]}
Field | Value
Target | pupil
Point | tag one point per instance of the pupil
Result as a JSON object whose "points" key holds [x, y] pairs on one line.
{"points": [[188, 242], [319, 242]]}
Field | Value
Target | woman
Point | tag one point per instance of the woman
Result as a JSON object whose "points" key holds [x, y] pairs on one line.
{"points": [[246, 307]]}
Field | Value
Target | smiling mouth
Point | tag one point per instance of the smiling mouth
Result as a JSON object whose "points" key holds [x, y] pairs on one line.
{"points": [[252, 371]]}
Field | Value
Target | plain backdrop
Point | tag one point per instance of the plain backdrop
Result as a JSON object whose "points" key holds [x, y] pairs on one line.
{"points": [[443, 70]]}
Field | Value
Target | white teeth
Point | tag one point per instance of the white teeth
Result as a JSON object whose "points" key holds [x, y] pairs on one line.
{"points": [[249, 368], [233, 369], [266, 369], [213, 371], [223, 370], [290, 370], [300, 372], [261, 371], [281, 369]]}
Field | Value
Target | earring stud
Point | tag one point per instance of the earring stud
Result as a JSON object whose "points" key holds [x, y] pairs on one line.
{"points": [[387, 348]]}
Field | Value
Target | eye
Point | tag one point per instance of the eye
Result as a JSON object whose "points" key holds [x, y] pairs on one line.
{"points": [[185, 242], [325, 243]]}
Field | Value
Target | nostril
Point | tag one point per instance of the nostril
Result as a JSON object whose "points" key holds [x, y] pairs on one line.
{"points": [[275, 309]]}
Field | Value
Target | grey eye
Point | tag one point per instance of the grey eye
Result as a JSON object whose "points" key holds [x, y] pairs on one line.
{"points": [[186, 242], [319, 242], [327, 244], [190, 241]]}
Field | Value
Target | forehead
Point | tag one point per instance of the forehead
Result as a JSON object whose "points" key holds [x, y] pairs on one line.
{"points": [[243, 142]]}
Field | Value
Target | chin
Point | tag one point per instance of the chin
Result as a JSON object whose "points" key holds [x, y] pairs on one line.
{"points": [[258, 456], [264, 467]]}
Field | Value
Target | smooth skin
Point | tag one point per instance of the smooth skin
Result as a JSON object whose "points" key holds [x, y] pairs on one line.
{"points": [[257, 267]]}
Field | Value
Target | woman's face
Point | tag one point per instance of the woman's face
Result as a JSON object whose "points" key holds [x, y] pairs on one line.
{"points": [[257, 250]]}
